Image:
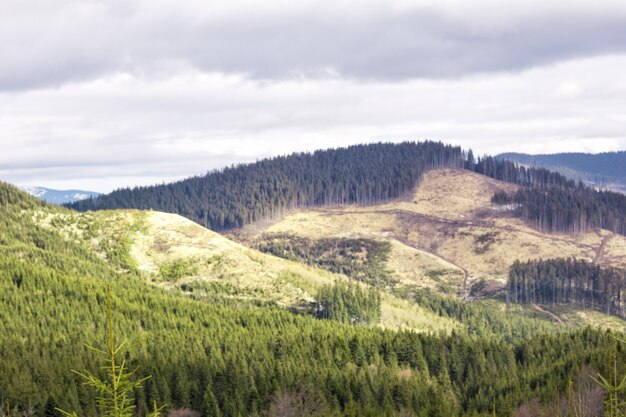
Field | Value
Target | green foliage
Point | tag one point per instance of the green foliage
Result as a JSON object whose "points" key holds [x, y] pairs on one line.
{"points": [[483, 318], [232, 359], [348, 303], [614, 385], [179, 268], [362, 259], [239, 195], [568, 281], [115, 393]]}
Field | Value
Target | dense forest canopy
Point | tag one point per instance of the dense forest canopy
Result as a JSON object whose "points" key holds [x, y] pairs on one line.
{"points": [[569, 210], [552, 203], [507, 171], [239, 195], [348, 303], [359, 258], [573, 282]]}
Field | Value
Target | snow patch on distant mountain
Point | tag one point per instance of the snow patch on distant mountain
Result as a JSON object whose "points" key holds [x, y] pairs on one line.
{"points": [[59, 196], [35, 191]]}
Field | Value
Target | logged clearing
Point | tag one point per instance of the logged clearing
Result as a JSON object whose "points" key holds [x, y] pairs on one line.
{"points": [[447, 237], [449, 225], [178, 254], [169, 238]]}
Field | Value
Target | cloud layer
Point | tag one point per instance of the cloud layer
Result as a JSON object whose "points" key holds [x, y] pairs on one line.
{"points": [[101, 94], [59, 41]]}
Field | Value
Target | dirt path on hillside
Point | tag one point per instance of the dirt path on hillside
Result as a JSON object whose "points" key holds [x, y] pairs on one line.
{"points": [[410, 244], [549, 313], [600, 249]]}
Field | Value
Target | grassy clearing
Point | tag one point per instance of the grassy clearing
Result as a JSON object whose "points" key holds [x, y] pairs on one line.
{"points": [[581, 318], [108, 233]]}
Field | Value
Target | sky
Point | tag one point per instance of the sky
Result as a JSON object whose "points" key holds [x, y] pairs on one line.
{"points": [[99, 95]]}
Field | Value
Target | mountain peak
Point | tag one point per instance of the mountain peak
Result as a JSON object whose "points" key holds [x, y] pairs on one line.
{"points": [[59, 196]]}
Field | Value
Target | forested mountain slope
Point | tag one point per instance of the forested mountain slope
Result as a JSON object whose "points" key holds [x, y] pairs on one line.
{"points": [[365, 175], [233, 197], [223, 358], [602, 169], [550, 202], [175, 253]]}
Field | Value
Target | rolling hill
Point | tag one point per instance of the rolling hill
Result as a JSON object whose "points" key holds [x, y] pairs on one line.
{"points": [[240, 195], [232, 324], [174, 253]]}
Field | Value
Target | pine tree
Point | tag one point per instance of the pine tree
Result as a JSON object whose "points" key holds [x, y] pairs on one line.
{"points": [[115, 392]]}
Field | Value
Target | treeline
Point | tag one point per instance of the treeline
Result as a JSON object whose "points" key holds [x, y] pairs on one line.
{"points": [[239, 195], [606, 167], [482, 318], [567, 281], [364, 174], [569, 210], [362, 259], [508, 171], [551, 202], [348, 303]]}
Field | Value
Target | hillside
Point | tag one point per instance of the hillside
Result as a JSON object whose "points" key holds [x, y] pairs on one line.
{"points": [[607, 169], [366, 175], [224, 356], [172, 252], [240, 195], [202, 315], [451, 218]]}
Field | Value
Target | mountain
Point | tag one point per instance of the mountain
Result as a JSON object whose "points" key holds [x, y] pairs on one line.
{"points": [[204, 318], [421, 286], [240, 195], [365, 175], [59, 196], [213, 340], [447, 236], [606, 169]]}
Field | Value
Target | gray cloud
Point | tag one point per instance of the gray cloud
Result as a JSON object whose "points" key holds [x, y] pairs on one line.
{"points": [[136, 129], [98, 94], [75, 41]]}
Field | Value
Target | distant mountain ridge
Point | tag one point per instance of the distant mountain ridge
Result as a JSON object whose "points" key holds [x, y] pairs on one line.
{"points": [[59, 196], [606, 169]]}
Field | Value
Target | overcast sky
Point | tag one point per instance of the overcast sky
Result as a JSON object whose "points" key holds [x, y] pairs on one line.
{"points": [[103, 94]]}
